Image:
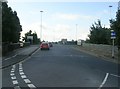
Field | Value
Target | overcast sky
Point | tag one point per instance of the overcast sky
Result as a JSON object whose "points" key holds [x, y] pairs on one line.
{"points": [[60, 18]]}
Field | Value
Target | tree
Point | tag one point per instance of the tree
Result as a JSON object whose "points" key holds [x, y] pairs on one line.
{"points": [[115, 25], [11, 27], [99, 34], [35, 38]]}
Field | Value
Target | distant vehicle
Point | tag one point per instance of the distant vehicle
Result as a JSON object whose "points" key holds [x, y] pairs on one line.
{"points": [[51, 45], [44, 45]]}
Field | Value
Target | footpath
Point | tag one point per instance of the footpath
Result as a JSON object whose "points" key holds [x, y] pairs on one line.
{"points": [[18, 55], [105, 56]]}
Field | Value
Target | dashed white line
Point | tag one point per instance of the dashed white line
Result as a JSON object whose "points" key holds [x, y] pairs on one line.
{"points": [[23, 76], [21, 73], [17, 87], [13, 77], [31, 86], [104, 81], [21, 70], [12, 71], [15, 82], [27, 81], [12, 74]]}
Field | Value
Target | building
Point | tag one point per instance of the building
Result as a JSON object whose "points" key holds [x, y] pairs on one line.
{"points": [[64, 41]]}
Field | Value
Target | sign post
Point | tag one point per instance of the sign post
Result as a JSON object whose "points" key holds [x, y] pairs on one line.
{"points": [[113, 36]]}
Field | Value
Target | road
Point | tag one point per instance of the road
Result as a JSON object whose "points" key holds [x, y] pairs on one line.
{"points": [[62, 66]]}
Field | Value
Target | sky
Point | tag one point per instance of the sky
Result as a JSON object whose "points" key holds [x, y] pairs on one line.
{"points": [[62, 20]]}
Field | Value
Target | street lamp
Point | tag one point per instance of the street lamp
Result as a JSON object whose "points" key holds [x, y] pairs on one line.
{"points": [[76, 32], [41, 27], [112, 36], [110, 11]]}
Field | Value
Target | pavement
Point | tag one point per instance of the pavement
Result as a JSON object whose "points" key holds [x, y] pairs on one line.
{"points": [[18, 55], [96, 53]]}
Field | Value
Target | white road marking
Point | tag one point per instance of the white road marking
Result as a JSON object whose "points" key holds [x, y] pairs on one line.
{"points": [[12, 71], [17, 87], [11, 57], [13, 66], [15, 82], [21, 73], [104, 81], [31, 86], [27, 81], [13, 77], [35, 51], [12, 74], [23, 76], [20, 70], [115, 75]]}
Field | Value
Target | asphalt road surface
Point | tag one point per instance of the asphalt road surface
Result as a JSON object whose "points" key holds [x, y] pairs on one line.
{"points": [[62, 66]]}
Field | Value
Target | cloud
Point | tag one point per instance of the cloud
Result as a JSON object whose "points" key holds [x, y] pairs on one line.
{"points": [[56, 32], [68, 16], [65, 16]]}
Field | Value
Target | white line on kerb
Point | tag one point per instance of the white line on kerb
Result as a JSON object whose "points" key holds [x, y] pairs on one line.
{"points": [[11, 57], [35, 52], [105, 79]]}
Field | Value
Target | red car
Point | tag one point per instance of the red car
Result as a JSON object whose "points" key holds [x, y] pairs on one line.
{"points": [[44, 45]]}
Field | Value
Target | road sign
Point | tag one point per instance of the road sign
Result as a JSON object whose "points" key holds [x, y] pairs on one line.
{"points": [[113, 34], [113, 37]]}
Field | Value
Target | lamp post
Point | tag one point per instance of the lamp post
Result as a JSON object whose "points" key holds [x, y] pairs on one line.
{"points": [[110, 11], [41, 28], [76, 32], [113, 36]]}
